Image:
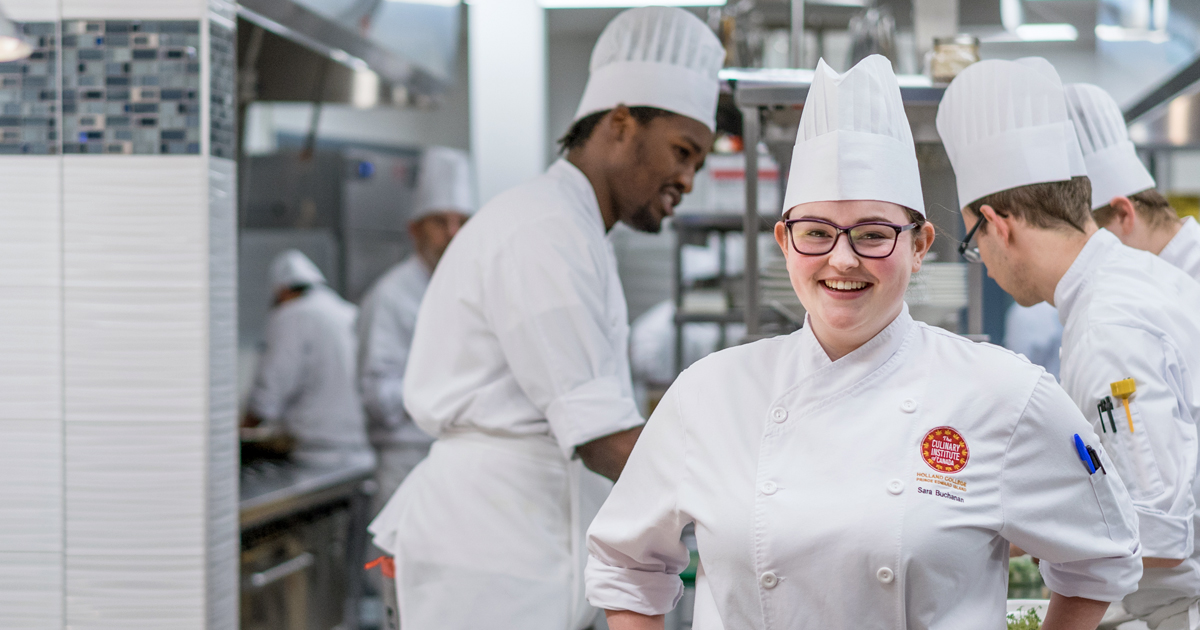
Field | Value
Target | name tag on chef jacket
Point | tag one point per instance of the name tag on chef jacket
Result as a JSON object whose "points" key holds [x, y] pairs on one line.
{"points": [[945, 453]]}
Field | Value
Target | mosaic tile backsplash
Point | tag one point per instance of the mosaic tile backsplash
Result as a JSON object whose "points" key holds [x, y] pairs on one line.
{"points": [[222, 44], [29, 96], [131, 87]]}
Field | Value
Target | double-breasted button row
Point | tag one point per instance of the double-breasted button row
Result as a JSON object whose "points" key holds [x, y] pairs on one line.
{"points": [[908, 405], [895, 486], [779, 414], [885, 575]]}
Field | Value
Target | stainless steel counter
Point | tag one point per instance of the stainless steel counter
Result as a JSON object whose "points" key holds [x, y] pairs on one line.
{"points": [[274, 489]]}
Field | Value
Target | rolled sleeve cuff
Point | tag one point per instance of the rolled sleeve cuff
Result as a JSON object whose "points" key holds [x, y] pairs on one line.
{"points": [[1165, 536], [593, 410], [1101, 579], [642, 592]]}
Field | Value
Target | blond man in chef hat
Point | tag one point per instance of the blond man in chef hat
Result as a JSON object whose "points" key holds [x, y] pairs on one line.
{"points": [[519, 364], [1124, 200], [1130, 341], [868, 470]]}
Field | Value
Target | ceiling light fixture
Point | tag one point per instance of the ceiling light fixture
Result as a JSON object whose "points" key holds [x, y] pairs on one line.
{"points": [[1110, 33], [1047, 33], [13, 45], [622, 4]]}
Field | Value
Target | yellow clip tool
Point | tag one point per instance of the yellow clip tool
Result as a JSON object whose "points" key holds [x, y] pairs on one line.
{"points": [[1123, 390]]}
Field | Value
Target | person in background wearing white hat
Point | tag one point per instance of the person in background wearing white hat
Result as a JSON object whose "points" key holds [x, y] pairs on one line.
{"points": [[1124, 200], [305, 378], [443, 203], [866, 471], [1128, 317], [519, 364]]}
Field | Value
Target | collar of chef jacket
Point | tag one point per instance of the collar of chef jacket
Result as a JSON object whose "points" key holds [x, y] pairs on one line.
{"points": [[1080, 272], [1183, 250], [823, 376], [580, 190]]}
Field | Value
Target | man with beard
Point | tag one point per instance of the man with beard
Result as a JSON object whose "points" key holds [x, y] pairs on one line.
{"points": [[519, 364]]}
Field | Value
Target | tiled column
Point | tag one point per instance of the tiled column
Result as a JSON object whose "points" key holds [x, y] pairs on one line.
{"points": [[117, 336], [31, 348]]}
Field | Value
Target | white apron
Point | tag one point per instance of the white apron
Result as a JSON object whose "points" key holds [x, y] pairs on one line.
{"points": [[492, 528]]}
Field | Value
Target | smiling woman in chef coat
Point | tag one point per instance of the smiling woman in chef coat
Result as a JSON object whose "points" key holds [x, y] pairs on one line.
{"points": [[867, 471]]}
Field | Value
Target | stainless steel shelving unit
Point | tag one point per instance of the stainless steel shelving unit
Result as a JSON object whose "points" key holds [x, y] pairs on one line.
{"points": [[769, 100]]}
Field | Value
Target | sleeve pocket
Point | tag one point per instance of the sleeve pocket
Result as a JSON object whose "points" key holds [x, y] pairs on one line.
{"points": [[1133, 456]]}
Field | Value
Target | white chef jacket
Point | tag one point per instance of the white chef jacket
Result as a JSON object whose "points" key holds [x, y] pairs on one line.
{"points": [[305, 377], [1127, 313], [524, 328], [1034, 331], [519, 356], [1183, 250], [385, 333], [816, 506]]}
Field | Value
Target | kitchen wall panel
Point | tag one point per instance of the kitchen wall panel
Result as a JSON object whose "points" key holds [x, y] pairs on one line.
{"points": [[122, 592], [140, 9], [31, 586], [31, 489], [135, 354], [223, 449], [131, 488]]}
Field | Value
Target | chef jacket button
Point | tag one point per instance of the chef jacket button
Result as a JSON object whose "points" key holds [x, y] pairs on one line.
{"points": [[769, 580], [769, 487], [895, 486], [908, 406], [885, 575], [779, 414]]}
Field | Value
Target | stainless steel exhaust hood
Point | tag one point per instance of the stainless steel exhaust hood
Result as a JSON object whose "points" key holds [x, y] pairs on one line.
{"points": [[408, 47], [1169, 116]]}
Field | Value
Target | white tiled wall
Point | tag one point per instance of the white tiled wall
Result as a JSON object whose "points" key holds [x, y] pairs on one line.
{"points": [[118, 445]]}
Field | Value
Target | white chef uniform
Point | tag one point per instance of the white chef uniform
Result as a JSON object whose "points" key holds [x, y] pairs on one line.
{"points": [[878, 490], [305, 378], [1183, 250], [1129, 314], [1125, 314], [385, 332], [1114, 167], [816, 507], [387, 320], [520, 356]]}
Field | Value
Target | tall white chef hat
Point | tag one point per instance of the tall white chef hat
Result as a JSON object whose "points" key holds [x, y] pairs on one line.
{"points": [[292, 268], [660, 57], [443, 183], [854, 141], [1112, 162], [1004, 124]]}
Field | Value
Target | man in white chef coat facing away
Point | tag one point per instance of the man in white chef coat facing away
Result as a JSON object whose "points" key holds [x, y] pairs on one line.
{"points": [[519, 363], [443, 203], [1124, 200], [305, 378], [1129, 330]]}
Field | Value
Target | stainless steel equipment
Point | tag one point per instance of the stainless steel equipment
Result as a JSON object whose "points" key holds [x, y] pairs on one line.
{"points": [[303, 541], [770, 102]]}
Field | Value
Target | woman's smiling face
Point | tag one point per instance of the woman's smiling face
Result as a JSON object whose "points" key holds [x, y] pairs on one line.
{"points": [[850, 298]]}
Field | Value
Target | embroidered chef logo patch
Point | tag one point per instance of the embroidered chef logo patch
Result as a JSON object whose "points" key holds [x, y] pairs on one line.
{"points": [[945, 450]]}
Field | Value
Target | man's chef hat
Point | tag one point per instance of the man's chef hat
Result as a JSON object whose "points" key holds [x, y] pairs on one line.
{"points": [[292, 268], [1112, 162], [443, 183], [659, 57], [1004, 124], [854, 141]]}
